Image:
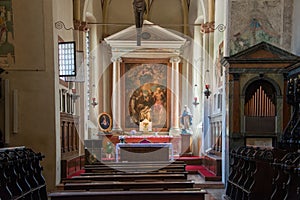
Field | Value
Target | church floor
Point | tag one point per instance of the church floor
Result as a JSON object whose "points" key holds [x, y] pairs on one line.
{"points": [[215, 190]]}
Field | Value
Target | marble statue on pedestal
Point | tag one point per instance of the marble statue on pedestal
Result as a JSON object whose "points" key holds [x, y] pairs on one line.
{"points": [[186, 120]]}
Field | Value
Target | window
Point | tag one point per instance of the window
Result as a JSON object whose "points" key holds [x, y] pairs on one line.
{"points": [[219, 107], [66, 59], [218, 101]]}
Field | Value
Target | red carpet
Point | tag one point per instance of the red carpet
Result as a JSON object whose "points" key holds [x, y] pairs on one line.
{"points": [[205, 173], [199, 168]]}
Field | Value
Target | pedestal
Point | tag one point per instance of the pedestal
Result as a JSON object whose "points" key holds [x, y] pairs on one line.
{"points": [[186, 144]]}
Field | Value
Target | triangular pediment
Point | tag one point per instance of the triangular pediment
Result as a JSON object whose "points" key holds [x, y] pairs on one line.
{"points": [[262, 56], [262, 52], [152, 36]]}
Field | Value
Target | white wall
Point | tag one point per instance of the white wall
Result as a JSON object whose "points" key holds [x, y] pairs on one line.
{"points": [[32, 76]]}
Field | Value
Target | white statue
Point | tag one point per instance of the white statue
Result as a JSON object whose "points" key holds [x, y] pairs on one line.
{"points": [[186, 119]]}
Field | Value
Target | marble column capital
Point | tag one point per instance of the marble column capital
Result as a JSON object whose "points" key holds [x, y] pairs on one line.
{"points": [[175, 59], [118, 59]]}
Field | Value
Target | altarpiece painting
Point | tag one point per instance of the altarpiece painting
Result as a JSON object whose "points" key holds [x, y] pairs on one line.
{"points": [[146, 95]]}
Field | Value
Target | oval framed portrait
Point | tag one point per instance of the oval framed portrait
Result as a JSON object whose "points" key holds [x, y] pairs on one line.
{"points": [[104, 122]]}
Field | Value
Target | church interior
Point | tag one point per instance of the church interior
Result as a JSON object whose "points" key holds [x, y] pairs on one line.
{"points": [[129, 99]]}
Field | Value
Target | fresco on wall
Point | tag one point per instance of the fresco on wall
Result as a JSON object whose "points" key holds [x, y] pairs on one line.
{"points": [[255, 22], [6, 33], [254, 34], [146, 94]]}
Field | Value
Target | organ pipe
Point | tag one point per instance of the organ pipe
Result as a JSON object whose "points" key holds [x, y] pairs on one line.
{"points": [[260, 105]]}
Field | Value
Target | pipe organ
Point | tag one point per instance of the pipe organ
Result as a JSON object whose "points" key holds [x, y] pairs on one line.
{"points": [[260, 104]]}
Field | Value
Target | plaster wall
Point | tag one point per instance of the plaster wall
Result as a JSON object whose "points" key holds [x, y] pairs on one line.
{"points": [[34, 81], [62, 11], [29, 35], [296, 29]]}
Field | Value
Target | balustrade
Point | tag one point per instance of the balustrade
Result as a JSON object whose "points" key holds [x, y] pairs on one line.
{"points": [[69, 135]]}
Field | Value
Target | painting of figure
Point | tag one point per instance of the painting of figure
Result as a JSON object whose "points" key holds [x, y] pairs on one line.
{"points": [[146, 95], [104, 122]]}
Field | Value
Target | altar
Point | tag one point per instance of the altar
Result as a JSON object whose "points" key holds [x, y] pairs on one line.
{"points": [[148, 138], [180, 143], [129, 152]]}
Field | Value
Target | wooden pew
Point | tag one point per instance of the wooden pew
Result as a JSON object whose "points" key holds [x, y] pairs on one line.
{"points": [[128, 185], [21, 174], [128, 177], [185, 173], [251, 175], [133, 164], [134, 167], [129, 195], [134, 180], [286, 184]]}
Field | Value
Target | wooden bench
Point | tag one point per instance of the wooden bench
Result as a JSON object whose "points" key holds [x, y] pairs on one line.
{"points": [[71, 165], [128, 177], [128, 185], [185, 173], [136, 163], [136, 180], [134, 167], [21, 174], [146, 163], [129, 195], [251, 175]]}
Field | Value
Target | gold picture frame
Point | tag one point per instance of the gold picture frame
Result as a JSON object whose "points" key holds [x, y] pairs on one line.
{"points": [[104, 122], [150, 77]]}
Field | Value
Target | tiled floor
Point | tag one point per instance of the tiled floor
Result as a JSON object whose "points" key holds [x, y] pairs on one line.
{"points": [[215, 190], [214, 194]]}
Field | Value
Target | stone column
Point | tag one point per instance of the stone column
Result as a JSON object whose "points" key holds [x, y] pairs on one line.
{"points": [[175, 96], [116, 108]]}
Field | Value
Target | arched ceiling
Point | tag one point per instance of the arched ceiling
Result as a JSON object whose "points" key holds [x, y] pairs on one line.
{"points": [[116, 15]]}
